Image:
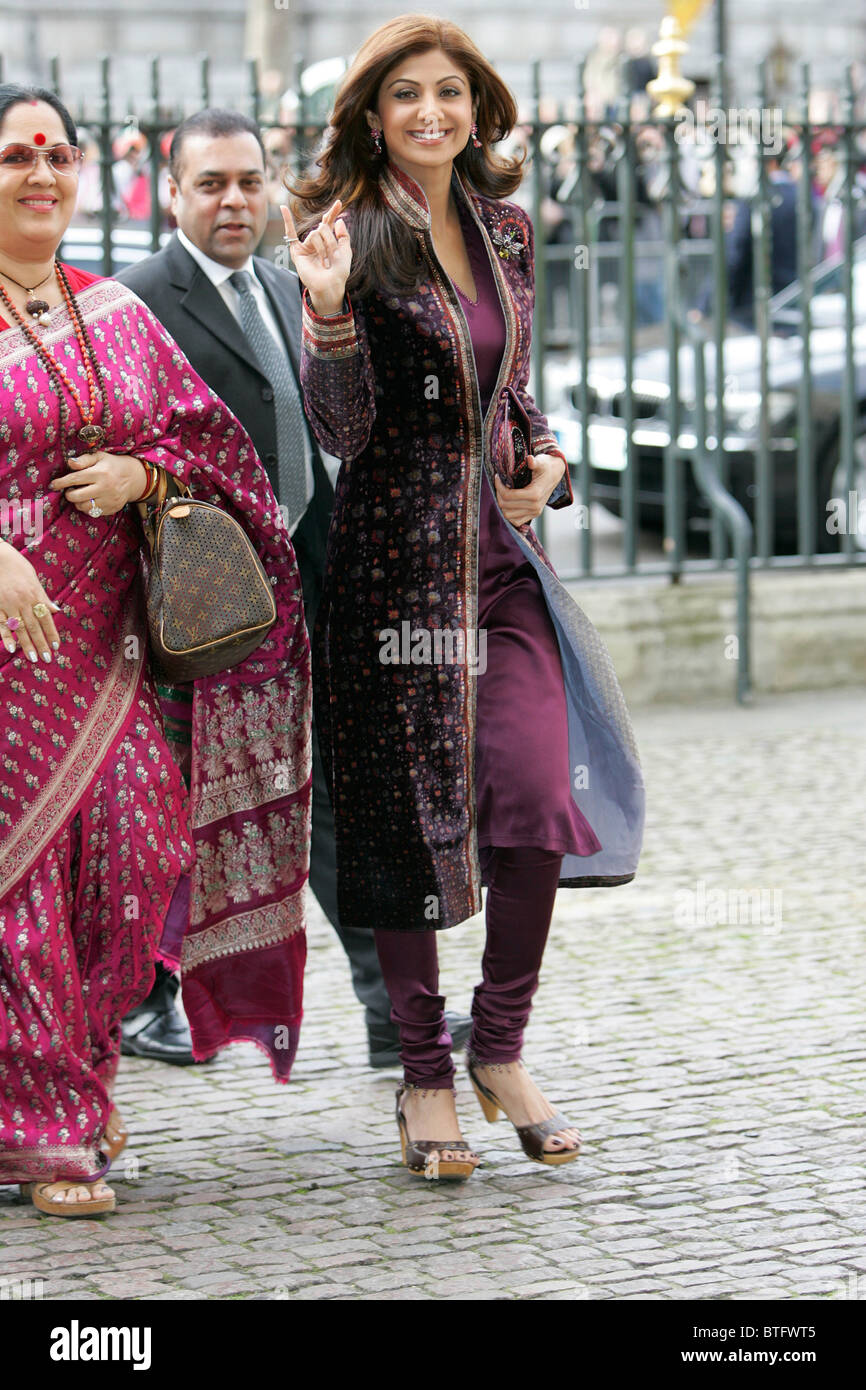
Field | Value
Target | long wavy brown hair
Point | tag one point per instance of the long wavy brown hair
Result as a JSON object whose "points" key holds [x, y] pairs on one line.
{"points": [[385, 252]]}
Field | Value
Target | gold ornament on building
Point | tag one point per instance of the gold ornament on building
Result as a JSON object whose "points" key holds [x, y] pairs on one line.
{"points": [[670, 90]]}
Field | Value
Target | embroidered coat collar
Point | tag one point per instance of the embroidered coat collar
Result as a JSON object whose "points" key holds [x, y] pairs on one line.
{"points": [[409, 200]]}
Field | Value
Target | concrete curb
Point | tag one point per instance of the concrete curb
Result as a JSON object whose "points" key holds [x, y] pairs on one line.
{"points": [[677, 642]]}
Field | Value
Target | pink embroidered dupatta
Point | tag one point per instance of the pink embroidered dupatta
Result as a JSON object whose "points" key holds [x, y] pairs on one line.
{"points": [[236, 920]]}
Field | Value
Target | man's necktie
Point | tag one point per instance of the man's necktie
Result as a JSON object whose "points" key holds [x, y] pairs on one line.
{"points": [[291, 429]]}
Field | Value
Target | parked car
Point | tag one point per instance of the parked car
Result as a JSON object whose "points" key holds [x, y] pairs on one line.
{"points": [[651, 434]]}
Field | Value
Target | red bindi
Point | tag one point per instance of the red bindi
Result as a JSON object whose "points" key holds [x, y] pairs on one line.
{"points": [[39, 138]]}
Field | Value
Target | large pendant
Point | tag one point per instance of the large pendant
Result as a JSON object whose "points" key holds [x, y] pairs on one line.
{"points": [[94, 435], [38, 309]]}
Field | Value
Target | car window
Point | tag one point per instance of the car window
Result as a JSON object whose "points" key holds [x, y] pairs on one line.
{"points": [[828, 299]]}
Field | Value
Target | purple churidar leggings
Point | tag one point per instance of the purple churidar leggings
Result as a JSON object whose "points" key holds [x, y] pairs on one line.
{"points": [[527, 819], [521, 889]]}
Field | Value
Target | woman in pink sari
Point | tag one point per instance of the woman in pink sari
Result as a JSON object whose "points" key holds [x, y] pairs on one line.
{"points": [[117, 843]]}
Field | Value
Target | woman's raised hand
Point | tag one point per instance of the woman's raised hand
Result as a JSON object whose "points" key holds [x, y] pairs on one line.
{"points": [[323, 259]]}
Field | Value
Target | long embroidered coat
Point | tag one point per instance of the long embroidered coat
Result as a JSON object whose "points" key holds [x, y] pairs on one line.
{"points": [[390, 388]]}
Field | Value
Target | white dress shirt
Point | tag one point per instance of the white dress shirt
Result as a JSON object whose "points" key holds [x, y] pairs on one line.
{"points": [[219, 274]]}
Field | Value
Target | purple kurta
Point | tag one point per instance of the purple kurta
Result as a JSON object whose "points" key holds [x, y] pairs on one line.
{"points": [[391, 388], [521, 749]]}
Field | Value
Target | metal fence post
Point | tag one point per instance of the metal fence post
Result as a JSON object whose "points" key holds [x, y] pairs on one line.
{"points": [[674, 542], [761, 233], [805, 466], [727, 508], [153, 144], [105, 163], [580, 294], [254, 95], [720, 304], [625, 176], [849, 410], [204, 81]]}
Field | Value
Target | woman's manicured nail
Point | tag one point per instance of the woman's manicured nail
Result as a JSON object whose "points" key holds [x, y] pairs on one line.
{"points": [[46, 656], [32, 656], [56, 646], [10, 646]]}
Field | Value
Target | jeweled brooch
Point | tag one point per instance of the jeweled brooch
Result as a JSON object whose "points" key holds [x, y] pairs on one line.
{"points": [[506, 238]]}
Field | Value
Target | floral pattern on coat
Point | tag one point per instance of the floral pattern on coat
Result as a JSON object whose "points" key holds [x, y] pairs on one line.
{"points": [[390, 388]]}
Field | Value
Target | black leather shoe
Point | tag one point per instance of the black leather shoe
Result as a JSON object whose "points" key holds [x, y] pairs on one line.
{"points": [[384, 1039], [161, 1036], [155, 1029]]}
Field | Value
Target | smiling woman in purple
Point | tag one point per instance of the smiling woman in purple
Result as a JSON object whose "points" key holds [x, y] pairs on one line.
{"points": [[518, 770]]}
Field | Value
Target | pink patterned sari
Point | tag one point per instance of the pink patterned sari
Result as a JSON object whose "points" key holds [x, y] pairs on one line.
{"points": [[106, 859]]}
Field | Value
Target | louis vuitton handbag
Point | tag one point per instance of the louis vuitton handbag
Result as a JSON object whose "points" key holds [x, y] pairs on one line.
{"points": [[209, 600]]}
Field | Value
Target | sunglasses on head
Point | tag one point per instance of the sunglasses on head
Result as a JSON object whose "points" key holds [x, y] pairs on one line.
{"points": [[63, 159]]}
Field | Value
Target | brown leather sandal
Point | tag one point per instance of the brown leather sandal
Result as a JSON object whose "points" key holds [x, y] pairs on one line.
{"points": [[421, 1156], [94, 1206], [116, 1135], [37, 1192], [531, 1137]]}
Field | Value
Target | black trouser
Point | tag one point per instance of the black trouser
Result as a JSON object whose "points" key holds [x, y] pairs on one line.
{"points": [[360, 946]]}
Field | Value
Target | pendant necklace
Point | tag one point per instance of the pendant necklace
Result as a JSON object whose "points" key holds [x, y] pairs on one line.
{"points": [[38, 309]]}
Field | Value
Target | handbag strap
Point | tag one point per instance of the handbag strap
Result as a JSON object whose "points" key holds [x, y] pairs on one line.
{"points": [[151, 510]]}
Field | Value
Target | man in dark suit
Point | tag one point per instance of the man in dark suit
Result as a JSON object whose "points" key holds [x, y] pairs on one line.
{"points": [[739, 250], [237, 317]]}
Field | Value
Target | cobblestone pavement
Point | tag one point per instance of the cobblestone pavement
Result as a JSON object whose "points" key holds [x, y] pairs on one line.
{"points": [[714, 1059]]}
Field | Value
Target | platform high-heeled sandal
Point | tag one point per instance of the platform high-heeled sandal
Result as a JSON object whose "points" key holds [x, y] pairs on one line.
{"points": [[421, 1156], [531, 1137]]}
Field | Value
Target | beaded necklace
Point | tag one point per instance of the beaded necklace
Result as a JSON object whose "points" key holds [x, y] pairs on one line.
{"points": [[92, 434]]}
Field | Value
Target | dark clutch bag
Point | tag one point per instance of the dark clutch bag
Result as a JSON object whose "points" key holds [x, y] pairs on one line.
{"points": [[518, 440], [209, 600]]}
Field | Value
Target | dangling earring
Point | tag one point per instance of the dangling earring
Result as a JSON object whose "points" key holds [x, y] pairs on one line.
{"points": [[476, 142], [377, 143]]}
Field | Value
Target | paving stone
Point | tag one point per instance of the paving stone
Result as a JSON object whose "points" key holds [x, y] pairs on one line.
{"points": [[716, 1071]]}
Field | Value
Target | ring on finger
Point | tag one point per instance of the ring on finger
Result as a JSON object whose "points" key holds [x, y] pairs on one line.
{"points": [[40, 610], [94, 510], [13, 624]]}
